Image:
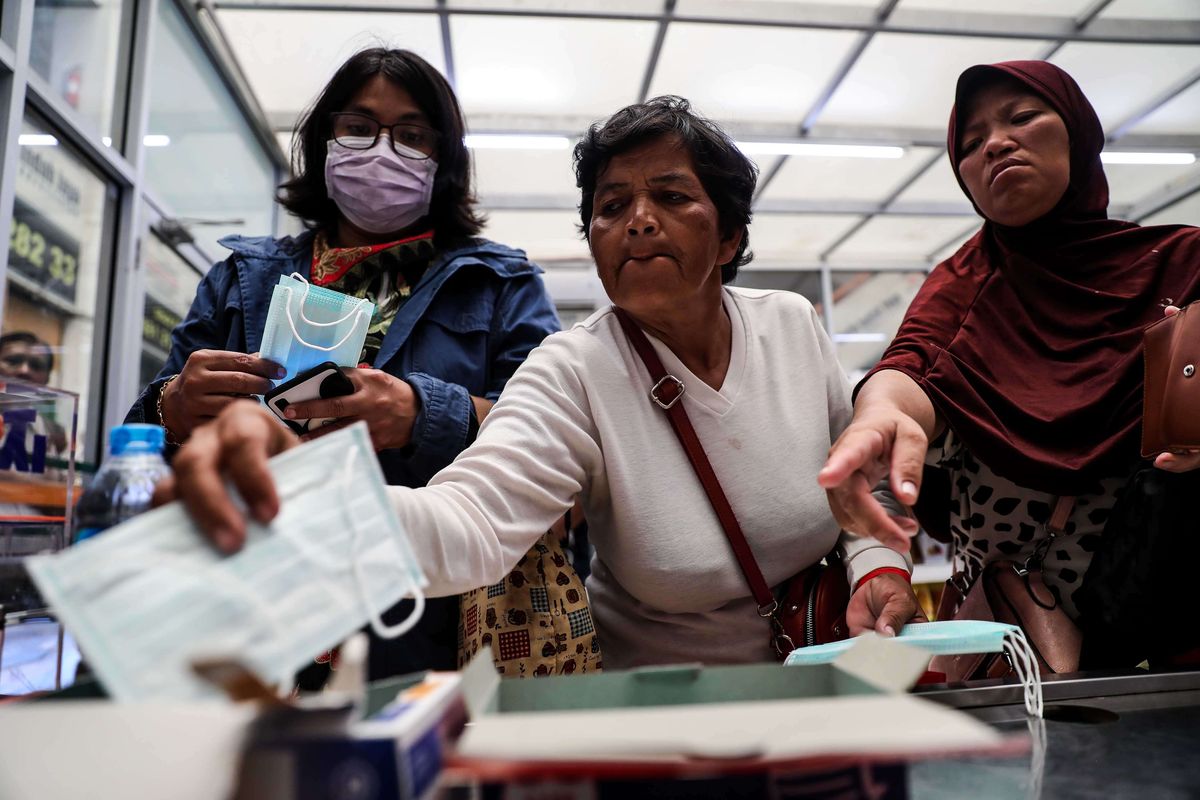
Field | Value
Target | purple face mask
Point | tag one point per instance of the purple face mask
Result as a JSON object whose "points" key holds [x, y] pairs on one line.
{"points": [[376, 189]]}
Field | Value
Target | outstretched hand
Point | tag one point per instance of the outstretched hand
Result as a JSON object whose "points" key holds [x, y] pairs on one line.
{"points": [[237, 445], [875, 446]]}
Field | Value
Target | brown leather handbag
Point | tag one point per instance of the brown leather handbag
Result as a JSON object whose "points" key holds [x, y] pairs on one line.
{"points": [[812, 609], [1014, 593], [1171, 394]]}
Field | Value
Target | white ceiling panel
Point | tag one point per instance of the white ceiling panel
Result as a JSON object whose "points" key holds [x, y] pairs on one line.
{"points": [[729, 8], [289, 56], [1185, 212], [1180, 115], [545, 236], [909, 80], [737, 72], [936, 185], [524, 172], [808, 178], [1120, 79], [1134, 183], [892, 239], [777, 239], [1153, 9], [953, 247], [1052, 8], [597, 6], [549, 66]]}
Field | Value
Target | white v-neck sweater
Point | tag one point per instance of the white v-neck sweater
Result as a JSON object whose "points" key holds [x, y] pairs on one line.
{"points": [[576, 419]]}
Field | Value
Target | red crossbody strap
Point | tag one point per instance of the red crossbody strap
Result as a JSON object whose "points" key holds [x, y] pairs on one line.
{"points": [[666, 393]]}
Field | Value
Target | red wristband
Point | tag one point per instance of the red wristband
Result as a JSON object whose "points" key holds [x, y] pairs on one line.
{"points": [[882, 571]]}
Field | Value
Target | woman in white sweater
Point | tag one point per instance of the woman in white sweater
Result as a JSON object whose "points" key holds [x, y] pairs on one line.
{"points": [[665, 206]]}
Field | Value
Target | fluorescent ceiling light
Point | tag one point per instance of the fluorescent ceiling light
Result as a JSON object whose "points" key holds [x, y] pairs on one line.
{"points": [[847, 338], [1125, 157], [515, 141], [156, 140], [823, 150], [36, 140]]}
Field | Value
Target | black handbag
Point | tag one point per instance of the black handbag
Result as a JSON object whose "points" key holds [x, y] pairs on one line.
{"points": [[1137, 600]]}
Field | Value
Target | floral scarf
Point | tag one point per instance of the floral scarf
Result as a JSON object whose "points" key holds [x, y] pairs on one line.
{"points": [[382, 273]]}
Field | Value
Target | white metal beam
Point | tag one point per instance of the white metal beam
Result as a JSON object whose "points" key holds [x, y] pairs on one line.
{"points": [[660, 36], [1170, 194], [447, 44], [16, 23]]}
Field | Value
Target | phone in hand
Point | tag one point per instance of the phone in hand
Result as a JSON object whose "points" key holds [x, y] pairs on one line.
{"points": [[319, 383]]}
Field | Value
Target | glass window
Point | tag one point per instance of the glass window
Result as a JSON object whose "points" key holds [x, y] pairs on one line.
{"points": [[867, 310], [170, 288], [59, 257], [76, 48], [202, 157]]}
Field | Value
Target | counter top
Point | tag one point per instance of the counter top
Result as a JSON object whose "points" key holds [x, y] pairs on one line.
{"points": [[1107, 735]]}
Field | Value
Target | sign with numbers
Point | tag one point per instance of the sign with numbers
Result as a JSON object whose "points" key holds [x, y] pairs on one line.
{"points": [[157, 324], [43, 252]]}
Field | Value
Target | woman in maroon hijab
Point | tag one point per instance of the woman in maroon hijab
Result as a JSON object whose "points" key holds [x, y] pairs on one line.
{"points": [[1020, 358]]}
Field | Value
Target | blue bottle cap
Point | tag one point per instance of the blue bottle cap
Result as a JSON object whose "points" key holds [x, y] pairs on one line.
{"points": [[136, 439]]}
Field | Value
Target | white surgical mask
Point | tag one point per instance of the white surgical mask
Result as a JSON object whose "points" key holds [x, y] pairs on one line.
{"points": [[151, 596], [376, 189]]}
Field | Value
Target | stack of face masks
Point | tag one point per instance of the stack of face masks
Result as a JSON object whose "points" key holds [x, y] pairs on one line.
{"points": [[151, 596], [952, 637], [308, 325]]}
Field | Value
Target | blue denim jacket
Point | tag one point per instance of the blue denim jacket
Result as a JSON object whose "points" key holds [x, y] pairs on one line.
{"points": [[471, 320]]}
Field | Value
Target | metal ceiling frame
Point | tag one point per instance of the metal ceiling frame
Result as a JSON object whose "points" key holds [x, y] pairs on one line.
{"points": [[887, 17], [754, 13], [1079, 24], [660, 36], [447, 43], [882, 12]]}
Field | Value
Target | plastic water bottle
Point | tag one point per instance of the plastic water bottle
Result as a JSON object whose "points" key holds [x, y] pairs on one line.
{"points": [[125, 483]]}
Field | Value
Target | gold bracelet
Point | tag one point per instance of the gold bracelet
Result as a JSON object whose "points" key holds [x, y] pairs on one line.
{"points": [[170, 438]]}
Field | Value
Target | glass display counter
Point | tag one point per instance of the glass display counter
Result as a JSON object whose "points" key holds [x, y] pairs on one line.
{"points": [[38, 490]]}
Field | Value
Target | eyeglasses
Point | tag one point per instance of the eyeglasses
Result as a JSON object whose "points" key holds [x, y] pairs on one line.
{"points": [[18, 360], [360, 132]]}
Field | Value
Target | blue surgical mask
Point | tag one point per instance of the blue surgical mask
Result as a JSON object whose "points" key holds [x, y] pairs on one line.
{"points": [[151, 596], [952, 637], [308, 325]]}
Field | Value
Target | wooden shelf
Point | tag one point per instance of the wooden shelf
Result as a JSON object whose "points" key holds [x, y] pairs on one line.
{"points": [[33, 492]]}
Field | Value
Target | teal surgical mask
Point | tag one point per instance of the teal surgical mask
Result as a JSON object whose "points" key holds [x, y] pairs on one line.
{"points": [[952, 637], [151, 596], [308, 325]]}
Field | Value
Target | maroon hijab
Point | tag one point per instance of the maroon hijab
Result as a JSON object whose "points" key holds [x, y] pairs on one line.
{"points": [[1028, 340]]}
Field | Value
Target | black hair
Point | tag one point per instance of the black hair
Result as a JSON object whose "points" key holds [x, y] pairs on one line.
{"points": [[25, 337], [728, 177], [451, 210]]}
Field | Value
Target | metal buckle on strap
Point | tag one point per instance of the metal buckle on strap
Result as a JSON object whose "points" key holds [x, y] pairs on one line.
{"points": [[769, 609], [679, 387]]}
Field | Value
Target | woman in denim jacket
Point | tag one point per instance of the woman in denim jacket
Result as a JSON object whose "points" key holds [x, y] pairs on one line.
{"points": [[383, 185]]}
